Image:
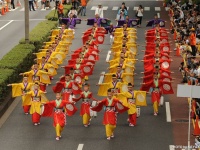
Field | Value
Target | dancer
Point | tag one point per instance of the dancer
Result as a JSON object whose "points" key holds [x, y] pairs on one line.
{"points": [[111, 106], [37, 98], [19, 89], [86, 96], [59, 109]]}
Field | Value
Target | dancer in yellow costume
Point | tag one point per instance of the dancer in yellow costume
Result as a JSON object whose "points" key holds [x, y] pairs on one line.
{"points": [[114, 85], [36, 99], [19, 89]]}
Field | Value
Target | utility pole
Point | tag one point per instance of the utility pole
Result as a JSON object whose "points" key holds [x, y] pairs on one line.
{"points": [[26, 15]]}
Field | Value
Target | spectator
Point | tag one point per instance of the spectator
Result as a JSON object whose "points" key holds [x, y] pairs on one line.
{"points": [[123, 5], [193, 41], [73, 12], [99, 11], [31, 5], [75, 3], [83, 7], [13, 4], [60, 12], [122, 12], [36, 3], [139, 13], [43, 4]]}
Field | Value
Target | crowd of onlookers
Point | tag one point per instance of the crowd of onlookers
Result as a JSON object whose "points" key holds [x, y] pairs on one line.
{"points": [[185, 26], [36, 4]]}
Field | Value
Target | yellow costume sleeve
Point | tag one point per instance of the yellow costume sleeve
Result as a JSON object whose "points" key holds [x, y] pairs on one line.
{"points": [[116, 49], [116, 55], [44, 77], [123, 98], [27, 98], [140, 98], [60, 56], [133, 48], [128, 69], [43, 98], [128, 77], [118, 39], [53, 61], [103, 89], [118, 33], [108, 77], [16, 90], [113, 68], [55, 32], [113, 62], [51, 70], [39, 60], [40, 54], [30, 75], [67, 38]]}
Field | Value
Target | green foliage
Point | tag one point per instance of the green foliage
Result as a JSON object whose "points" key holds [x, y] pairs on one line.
{"points": [[53, 16], [19, 58], [6, 76], [40, 33]]}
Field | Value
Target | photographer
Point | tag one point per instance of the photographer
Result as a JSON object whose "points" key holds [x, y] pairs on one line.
{"points": [[122, 12]]}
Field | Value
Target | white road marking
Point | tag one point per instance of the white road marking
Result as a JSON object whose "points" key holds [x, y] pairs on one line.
{"points": [[158, 14], [93, 7], [80, 146], [9, 111], [157, 8], [108, 56], [147, 8], [168, 113], [101, 78], [6, 24], [105, 7], [135, 8], [23, 20], [115, 8], [171, 147]]}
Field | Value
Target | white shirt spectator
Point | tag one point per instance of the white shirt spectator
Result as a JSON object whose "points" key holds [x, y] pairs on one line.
{"points": [[140, 12], [99, 11], [74, 12]]}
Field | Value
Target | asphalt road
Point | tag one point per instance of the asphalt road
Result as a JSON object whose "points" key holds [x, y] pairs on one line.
{"points": [[151, 133], [10, 34]]}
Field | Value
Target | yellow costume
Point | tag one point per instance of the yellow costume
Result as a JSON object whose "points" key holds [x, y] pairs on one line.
{"points": [[105, 86], [35, 100], [44, 76], [19, 89]]}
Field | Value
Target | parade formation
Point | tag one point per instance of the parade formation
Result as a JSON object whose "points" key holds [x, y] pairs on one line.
{"points": [[116, 85]]}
